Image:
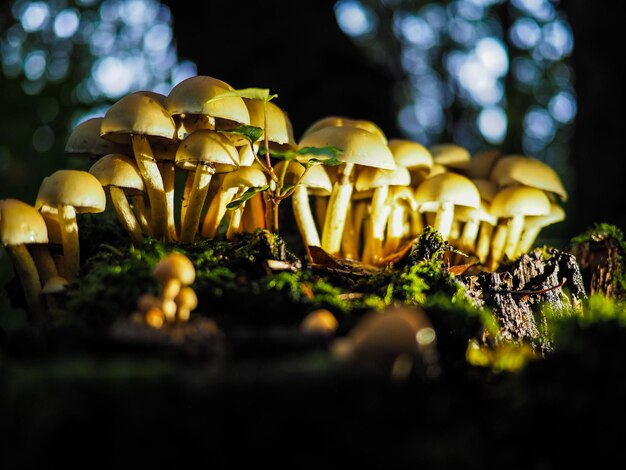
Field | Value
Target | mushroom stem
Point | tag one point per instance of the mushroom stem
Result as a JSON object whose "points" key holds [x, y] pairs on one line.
{"points": [[125, 214], [395, 228], [516, 226], [141, 213], [359, 214], [69, 237], [467, 240], [444, 219], [236, 217], [528, 239], [484, 241], [321, 206], [28, 276], [336, 213], [168, 173], [255, 217], [201, 181], [349, 242], [46, 267], [186, 192], [417, 223], [216, 211], [154, 184], [304, 216], [379, 215], [497, 245]]}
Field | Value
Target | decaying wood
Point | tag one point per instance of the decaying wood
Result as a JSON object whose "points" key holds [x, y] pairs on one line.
{"points": [[600, 261]]}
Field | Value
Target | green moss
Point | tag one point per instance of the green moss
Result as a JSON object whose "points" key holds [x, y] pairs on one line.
{"points": [[598, 232]]}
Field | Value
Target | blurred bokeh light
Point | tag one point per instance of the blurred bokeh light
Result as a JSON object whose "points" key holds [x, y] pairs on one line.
{"points": [[482, 73]]}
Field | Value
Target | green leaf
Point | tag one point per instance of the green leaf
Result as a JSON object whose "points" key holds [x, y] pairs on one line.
{"points": [[248, 194], [262, 94], [328, 161], [327, 151], [285, 155], [251, 133]]}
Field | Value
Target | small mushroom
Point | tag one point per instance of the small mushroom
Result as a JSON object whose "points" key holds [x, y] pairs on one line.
{"points": [[85, 142], [121, 176], [511, 205], [275, 123], [22, 225], [441, 193], [359, 147], [203, 153], [453, 157], [186, 302], [66, 193], [341, 121], [320, 321], [174, 271]]}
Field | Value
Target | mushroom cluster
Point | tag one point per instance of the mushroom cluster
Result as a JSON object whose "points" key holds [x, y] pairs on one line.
{"points": [[490, 205], [354, 193]]}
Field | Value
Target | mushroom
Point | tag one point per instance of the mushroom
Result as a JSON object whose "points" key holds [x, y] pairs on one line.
{"points": [[472, 219], [519, 169], [315, 182], [55, 286], [240, 181], [488, 190], [320, 322], [142, 120], [441, 193], [482, 163], [174, 271], [379, 181], [511, 205], [85, 142], [359, 147], [534, 224], [397, 336], [340, 121], [22, 225], [275, 124], [66, 193], [186, 302], [121, 176], [203, 153], [193, 105], [451, 156]]}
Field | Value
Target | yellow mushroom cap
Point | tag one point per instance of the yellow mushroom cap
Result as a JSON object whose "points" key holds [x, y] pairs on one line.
{"points": [[410, 154], [205, 146], [529, 171], [451, 156], [358, 146], [340, 121], [76, 188], [21, 223], [436, 169], [117, 170], [137, 114], [320, 321], [55, 285], [520, 200], [246, 154], [481, 164], [370, 178], [448, 187], [85, 141], [557, 214], [279, 128], [187, 296], [195, 95], [487, 189], [175, 266], [316, 180], [249, 177]]}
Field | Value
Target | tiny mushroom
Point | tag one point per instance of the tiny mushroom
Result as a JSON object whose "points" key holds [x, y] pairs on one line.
{"points": [[66, 193], [121, 176], [22, 225], [186, 302], [174, 271], [320, 321]]}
